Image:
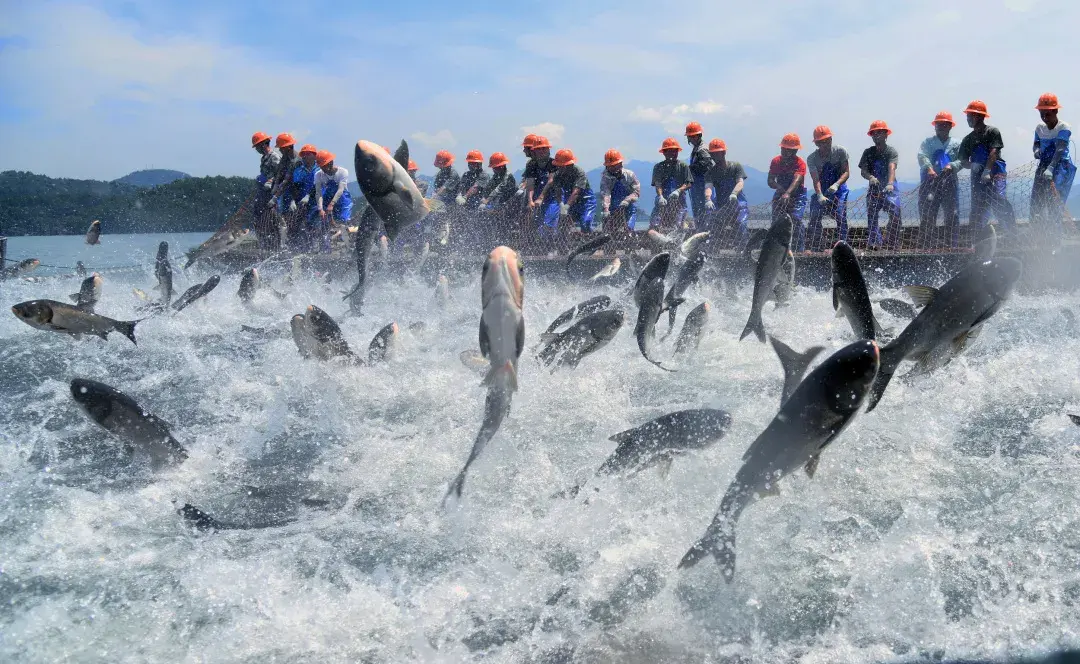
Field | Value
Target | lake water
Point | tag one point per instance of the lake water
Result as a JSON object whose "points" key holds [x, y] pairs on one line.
{"points": [[59, 253], [945, 523]]}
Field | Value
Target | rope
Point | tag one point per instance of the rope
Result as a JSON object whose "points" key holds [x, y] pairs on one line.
{"points": [[75, 268]]}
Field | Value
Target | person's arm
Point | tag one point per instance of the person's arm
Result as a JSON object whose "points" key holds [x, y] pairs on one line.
{"points": [[773, 184], [573, 196], [1036, 146], [1060, 145], [844, 175], [605, 192], [320, 181], [892, 170], [337, 194], [814, 179], [796, 182], [740, 182], [530, 189]]}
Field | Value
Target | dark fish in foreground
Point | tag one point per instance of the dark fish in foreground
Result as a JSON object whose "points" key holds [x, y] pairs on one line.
{"points": [[687, 276], [656, 268], [794, 364], [320, 336], [693, 328], [164, 273], [118, 414], [589, 306], [583, 338], [89, 293], [196, 292], [898, 308], [773, 251], [649, 294], [849, 295], [93, 234], [502, 338], [951, 315], [203, 522], [382, 345], [587, 247], [816, 413], [61, 317]]}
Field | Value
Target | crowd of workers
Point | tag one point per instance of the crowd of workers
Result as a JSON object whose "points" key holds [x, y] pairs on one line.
{"points": [[555, 197]]}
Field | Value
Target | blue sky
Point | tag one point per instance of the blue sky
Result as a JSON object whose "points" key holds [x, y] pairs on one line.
{"points": [[96, 90]]}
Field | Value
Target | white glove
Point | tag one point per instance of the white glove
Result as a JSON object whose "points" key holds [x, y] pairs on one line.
{"points": [[625, 203], [564, 210], [460, 199], [673, 196], [292, 206], [822, 199], [1048, 175], [833, 188], [603, 214], [985, 179], [268, 185], [733, 198], [709, 205], [889, 189], [873, 181], [519, 192], [1037, 152], [660, 200], [304, 200]]}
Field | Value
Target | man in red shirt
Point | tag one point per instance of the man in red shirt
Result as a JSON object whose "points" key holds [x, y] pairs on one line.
{"points": [[787, 176]]}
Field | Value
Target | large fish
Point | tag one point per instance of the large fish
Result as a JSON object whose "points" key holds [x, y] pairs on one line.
{"points": [[794, 365], [61, 317], [587, 247], [118, 414], [589, 306], [656, 268], [196, 292], [775, 248], [25, 266], [849, 295], [951, 315], [89, 293], [584, 337], [649, 295], [220, 243], [367, 231], [660, 440], [164, 273], [686, 277], [692, 244], [324, 336], [387, 187], [693, 328], [816, 413], [785, 282], [93, 234], [502, 338], [383, 344], [249, 285]]}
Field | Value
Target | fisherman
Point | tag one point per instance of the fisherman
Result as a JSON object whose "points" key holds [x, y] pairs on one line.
{"points": [[269, 158], [620, 191], [830, 168], [301, 203], [332, 197], [497, 200], [538, 179], [787, 177], [981, 152], [1055, 173], [724, 183], [422, 185], [577, 203], [287, 145], [700, 163], [472, 181], [671, 178], [527, 150], [878, 167], [939, 164], [447, 183]]}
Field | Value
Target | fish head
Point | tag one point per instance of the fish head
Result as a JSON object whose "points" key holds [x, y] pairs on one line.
{"points": [[95, 282], [999, 276], [211, 283], [781, 230], [657, 266], [374, 168], [29, 264], [34, 312], [853, 369], [94, 397], [162, 250], [606, 324], [320, 325], [843, 255], [504, 273]]}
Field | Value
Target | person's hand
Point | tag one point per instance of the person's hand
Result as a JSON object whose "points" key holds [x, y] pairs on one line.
{"points": [[931, 173], [625, 203], [785, 196], [674, 196], [733, 198], [460, 200], [322, 214], [1048, 175], [1037, 152], [709, 205], [985, 179], [873, 181], [268, 186], [822, 199], [292, 206], [483, 204], [889, 188], [564, 210], [660, 200], [835, 187]]}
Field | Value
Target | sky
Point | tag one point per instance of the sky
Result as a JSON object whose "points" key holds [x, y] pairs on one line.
{"points": [[96, 90]]}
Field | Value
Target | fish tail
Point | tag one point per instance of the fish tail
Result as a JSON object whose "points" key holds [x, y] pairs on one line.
{"points": [[793, 362], [127, 328], [719, 542], [890, 361], [456, 487], [506, 375], [755, 325]]}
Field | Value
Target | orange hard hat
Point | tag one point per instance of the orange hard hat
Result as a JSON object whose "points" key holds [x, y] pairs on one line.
{"points": [[285, 140], [443, 159], [612, 157], [694, 129], [309, 148], [791, 142], [259, 137], [942, 117], [821, 132], [323, 157], [412, 166], [879, 125], [1048, 101], [474, 157], [717, 145], [670, 144], [497, 159], [977, 107], [564, 157], [529, 141], [541, 142]]}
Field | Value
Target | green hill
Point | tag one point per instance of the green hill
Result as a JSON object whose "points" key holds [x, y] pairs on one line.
{"points": [[151, 177]]}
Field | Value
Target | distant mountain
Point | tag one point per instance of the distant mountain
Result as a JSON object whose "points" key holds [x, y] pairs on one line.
{"points": [[151, 177]]}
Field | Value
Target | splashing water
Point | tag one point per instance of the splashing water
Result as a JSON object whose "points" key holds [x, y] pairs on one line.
{"points": [[947, 521]]}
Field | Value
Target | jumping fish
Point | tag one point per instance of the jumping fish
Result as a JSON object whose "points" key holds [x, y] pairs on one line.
{"points": [[60, 317], [121, 416], [775, 248]]}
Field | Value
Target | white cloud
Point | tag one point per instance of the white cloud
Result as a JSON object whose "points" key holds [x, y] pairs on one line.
{"points": [[673, 117], [439, 140], [554, 132]]}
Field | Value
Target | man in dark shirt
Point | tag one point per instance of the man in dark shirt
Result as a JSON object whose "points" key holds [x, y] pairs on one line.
{"points": [[671, 178], [446, 184], [878, 166], [543, 206], [700, 163], [497, 200], [578, 203], [268, 168], [981, 152], [724, 183]]}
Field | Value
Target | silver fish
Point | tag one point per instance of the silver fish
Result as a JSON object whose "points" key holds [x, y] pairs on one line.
{"points": [[849, 295], [773, 251], [89, 293], [118, 414], [693, 328], [382, 345], [583, 338], [61, 317], [93, 234]]}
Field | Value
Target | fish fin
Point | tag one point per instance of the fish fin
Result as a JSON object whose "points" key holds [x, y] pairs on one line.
{"points": [[401, 155], [493, 373], [962, 340], [811, 465], [921, 295], [755, 325], [519, 337], [456, 487], [485, 343], [719, 542], [835, 301], [198, 519], [839, 312], [793, 363], [1075, 418], [126, 328], [571, 492], [74, 297], [890, 361]]}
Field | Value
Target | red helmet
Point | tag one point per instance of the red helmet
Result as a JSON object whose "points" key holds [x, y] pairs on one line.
{"points": [[497, 159], [821, 132], [474, 157], [977, 107], [285, 140], [529, 141], [308, 149], [717, 145], [694, 129], [791, 142], [944, 117], [443, 159], [612, 157], [564, 157], [1048, 101], [412, 167], [324, 157], [670, 144], [259, 137], [879, 125], [541, 142]]}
